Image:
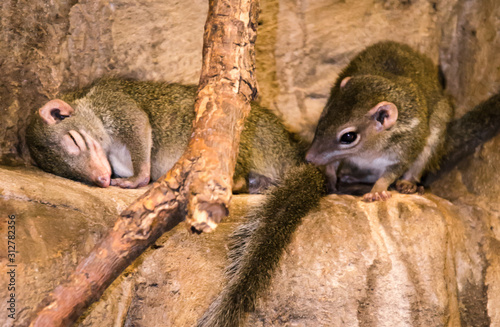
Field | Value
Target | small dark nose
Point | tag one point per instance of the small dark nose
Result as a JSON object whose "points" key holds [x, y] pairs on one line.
{"points": [[310, 156]]}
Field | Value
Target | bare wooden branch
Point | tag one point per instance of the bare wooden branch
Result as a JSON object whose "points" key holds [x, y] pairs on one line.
{"points": [[199, 184], [227, 85]]}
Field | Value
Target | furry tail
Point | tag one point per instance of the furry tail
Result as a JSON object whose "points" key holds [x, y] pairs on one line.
{"points": [[258, 245], [466, 133]]}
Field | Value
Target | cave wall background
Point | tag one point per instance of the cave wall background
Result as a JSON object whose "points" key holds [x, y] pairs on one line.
{"points": [[48, 47]]}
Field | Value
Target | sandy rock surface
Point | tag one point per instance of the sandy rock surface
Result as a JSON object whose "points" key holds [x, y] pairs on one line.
{"points": [[411, 261]]}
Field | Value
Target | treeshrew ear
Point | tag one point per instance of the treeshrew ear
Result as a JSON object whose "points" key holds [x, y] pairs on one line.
{"points": [[55, 111], [344, 81], [385, 114]]}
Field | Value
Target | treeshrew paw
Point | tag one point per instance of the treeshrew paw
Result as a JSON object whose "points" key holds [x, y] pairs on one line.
{"points": [[132, 182], [406, 187], [377, 196]]}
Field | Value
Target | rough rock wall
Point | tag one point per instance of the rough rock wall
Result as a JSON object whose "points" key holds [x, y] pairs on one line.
{"points": [[469, 51], [302, 46], [316, 39]]}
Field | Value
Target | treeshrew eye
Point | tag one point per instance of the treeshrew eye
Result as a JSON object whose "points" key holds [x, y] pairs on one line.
{"points": [[348, 138]]}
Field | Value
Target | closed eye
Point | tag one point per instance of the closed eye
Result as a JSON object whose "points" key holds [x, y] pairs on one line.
{"points": [[74, 143], [73, 139]]}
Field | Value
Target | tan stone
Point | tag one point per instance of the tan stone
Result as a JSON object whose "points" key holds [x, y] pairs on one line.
{"points": [[411, 261]]}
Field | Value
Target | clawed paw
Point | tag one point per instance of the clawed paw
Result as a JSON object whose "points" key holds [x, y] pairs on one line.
{"points": [[406, 187], [132, 182], [377, 196]]}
